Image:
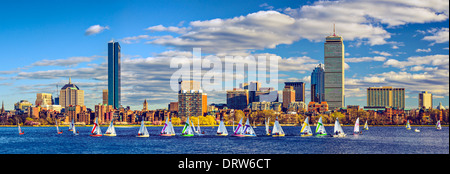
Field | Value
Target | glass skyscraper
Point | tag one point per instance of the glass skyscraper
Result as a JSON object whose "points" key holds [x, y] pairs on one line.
{"points": [[334, 71], [114, 74], [318, 84]]}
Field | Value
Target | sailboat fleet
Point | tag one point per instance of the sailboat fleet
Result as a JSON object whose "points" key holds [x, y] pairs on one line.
{"points": [[242, 130]]}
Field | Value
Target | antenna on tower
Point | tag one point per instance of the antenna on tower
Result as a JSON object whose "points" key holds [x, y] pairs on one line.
{"points": [[334, 29]]}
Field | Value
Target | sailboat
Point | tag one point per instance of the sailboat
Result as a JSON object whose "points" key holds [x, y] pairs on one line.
{"points": [[167, 129], [267, 126], [254, 125], [366, 126], [438, 125], [338, 132], [222, 130], [197, 131], [111, 131], [187, 129], [408, 126], [74, 131], [57, 128], [142, 130], [248, 130], [96, 131], [277, 131], [20, 130], [320, 129], [239, 130], [356, 129], [306, 129], [71, 125]]}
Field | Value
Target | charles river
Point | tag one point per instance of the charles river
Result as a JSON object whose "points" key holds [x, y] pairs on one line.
{"points": [[377, 140]]}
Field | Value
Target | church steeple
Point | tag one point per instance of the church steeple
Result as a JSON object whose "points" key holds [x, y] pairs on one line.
{"points": [[145, 107]]}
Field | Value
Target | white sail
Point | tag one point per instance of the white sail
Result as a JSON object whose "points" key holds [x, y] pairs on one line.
{"points": [[111, 129], [337, 127], [408, 126], [320, 127], [198, 126], [366, 126], [277, 128], [438, 125], [267, 126], [187, 128], [222, 129], [73, 130], [193, 127], [142, 129], [18, 126], [248, 129], [57, 128], [239, 129], [71, 125], [96, 128], [356, 129], [306, 129]]}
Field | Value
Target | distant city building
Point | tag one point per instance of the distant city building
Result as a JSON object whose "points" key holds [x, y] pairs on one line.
{"points": [[288, 96], [104, 113], [173, 106], [295, 106], [334, 71], [22, 106], [440, 107], [145, 105], [425, 100], [70, 94], [253, 87], [43, 99], [237, 99], [318, 84], [318, 107], [105, 96], [192, 103], [386, 97], [261, 106], [114, 76], [299, 88]]}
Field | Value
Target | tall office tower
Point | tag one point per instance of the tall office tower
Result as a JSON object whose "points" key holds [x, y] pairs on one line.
{"points": [[299, 88], [334, 72], [114, 74], [425, 100], [288, 96], [386, 96], [318, 84], [253, 87], [70, 94]]}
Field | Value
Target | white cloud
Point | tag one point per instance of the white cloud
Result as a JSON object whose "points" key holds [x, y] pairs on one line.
{"points": [[95, 29], [71, 61], [439, 36], [169, 29], [424, 50], [435, 60], [382, 53], [365, 59]]}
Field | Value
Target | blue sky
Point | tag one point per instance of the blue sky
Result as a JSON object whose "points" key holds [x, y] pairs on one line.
{"points": [[387, 43]]}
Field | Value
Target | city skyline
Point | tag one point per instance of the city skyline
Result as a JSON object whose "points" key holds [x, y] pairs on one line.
{"points": [[382, 49]]}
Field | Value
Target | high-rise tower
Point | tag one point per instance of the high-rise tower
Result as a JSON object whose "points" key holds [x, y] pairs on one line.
{"points": [[334, 71], [114, 74], [317, 84]]}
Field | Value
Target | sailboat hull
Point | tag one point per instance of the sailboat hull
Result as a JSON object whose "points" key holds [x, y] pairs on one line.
{"points": [[110, 135], [221, 134], [60, 132], [92, 135], [306, 135], [321, 135], [187, 135], [281, 135], [237, 135], [340, 135], [408, 128], [21, 133], [249, 135], [167, 135], [143, 136]]}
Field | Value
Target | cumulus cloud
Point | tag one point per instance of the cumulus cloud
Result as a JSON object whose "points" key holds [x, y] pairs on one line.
{"points": [[439, 35], [95, 29], [365, 59], [71, 61], [169, 29], [423, 50], [435, 60]]}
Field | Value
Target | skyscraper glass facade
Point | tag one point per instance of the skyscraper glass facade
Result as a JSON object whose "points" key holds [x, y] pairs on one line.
{"points": [[114, 74], [318, 84], [334, 72]]}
